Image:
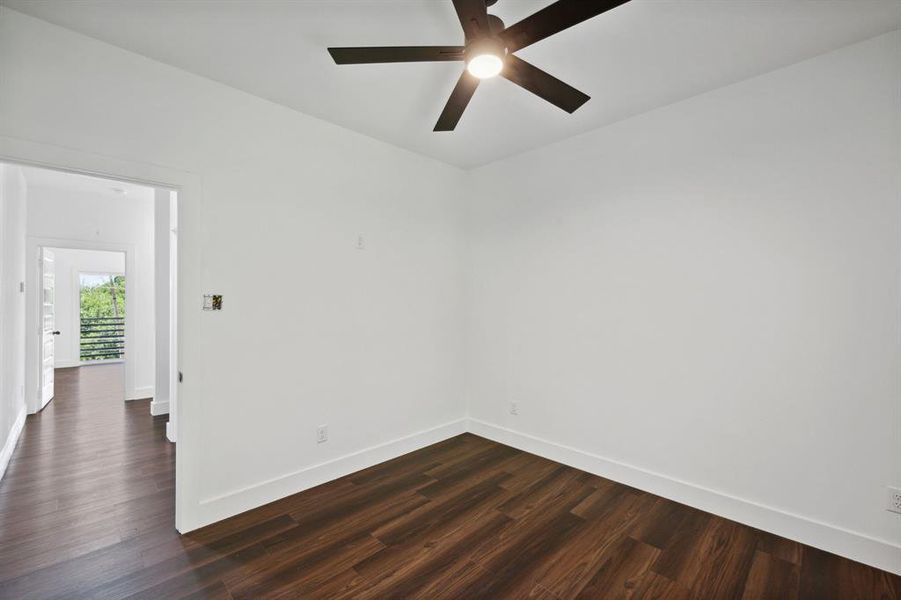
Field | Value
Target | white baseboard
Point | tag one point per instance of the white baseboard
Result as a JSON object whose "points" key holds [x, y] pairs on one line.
{"points": [[7, 452], [226, 505], [879, 553], [141, 393], [159, 407], [170, 431], [856, 546]]}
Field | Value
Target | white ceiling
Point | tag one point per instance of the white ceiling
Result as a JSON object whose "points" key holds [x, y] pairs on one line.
{"points": [[640, 56], [36, 177]]}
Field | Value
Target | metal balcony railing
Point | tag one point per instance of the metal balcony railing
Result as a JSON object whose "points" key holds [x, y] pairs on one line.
{"points": [[102, 338]]}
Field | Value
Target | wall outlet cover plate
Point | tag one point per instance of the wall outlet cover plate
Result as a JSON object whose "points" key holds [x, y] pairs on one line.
{"points": [[894, 500]]}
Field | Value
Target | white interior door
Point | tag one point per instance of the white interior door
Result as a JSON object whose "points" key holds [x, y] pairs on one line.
{"points": [[48, 323]]}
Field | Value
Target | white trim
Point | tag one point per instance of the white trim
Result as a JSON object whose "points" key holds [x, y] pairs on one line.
{"points": [[15, 431], [66, 364], [140, 393], [172, 424], [160, 407], [878, 553], [229, 504], [74, 349]]}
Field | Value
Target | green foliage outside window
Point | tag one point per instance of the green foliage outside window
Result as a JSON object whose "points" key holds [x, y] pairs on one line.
{"points": [[102, 316], [97, 296]]}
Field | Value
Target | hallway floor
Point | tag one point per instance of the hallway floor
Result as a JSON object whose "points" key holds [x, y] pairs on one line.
{"points": [[89, 492], [87, 506]]}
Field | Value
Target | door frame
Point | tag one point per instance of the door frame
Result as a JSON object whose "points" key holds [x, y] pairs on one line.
{"points": [[33, 247], [191, 282]]}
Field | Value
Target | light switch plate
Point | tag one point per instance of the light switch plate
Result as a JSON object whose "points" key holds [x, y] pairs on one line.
{"points": [[212, 302]]}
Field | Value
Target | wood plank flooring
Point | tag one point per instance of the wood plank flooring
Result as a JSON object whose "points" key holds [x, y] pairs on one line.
{"points": [[86, 511]]}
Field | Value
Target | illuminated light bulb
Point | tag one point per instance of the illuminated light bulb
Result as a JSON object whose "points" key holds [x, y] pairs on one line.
{"points": [[484, 66]]}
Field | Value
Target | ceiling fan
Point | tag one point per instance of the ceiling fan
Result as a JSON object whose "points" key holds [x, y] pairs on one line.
{"points": [[488, 52]]}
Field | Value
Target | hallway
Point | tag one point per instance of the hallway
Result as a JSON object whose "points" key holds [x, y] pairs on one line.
{"points": [[89, 492]]}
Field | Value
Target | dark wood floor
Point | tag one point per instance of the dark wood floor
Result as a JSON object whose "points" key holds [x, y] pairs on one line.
{"points": [[87, 512]]}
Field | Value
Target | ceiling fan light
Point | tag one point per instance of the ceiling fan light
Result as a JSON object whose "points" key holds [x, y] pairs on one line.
{"points": [[484, 66]]}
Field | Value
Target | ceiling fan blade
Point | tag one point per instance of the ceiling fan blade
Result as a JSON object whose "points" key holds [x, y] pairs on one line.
{"points": [[542, 84], [552, 19], [456, 104], [394, 54], [473, 17]]}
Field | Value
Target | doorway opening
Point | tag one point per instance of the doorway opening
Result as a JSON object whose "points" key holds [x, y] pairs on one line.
{"points": [[99, 266], [94, 276], [175, 195], [82, 310], [100, 285], [101, 316]]}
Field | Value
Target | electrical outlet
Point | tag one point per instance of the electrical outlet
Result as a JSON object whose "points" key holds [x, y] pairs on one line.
{"points": [[894, 500], [514, 408], [321, 434]]}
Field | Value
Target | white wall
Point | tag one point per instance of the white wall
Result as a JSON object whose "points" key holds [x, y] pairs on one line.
{"points": [[708, 294], [69, 263], [313, 330], [12, 309], [121, 222]]}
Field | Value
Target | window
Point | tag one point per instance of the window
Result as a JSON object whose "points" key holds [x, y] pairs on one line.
{"points": [[102, 310]]}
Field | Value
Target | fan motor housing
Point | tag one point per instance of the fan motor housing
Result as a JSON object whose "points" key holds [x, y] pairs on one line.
{"points": [[495, 24], [486, 45]]}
